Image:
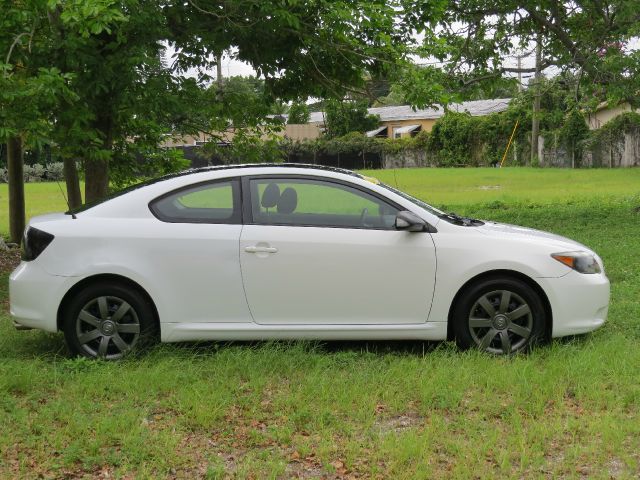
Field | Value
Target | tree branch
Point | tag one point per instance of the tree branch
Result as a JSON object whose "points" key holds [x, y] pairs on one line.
{"points": [[16, 40]]}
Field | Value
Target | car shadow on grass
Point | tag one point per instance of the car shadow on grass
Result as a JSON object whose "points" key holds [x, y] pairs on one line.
{"points": [[381, 347], [49, 346]]}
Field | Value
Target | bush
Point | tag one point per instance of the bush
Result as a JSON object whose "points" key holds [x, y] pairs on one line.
{"points": [[454, 138], [299, 113], [39, 173], [615, 128]]}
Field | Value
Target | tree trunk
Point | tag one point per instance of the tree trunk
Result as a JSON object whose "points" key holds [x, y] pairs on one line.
{"points": [[96, 179], [74, 197], [97, 170], [15, 174]]}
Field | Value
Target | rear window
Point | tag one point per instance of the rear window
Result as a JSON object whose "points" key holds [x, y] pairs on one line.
{"points": [[211, 202]]}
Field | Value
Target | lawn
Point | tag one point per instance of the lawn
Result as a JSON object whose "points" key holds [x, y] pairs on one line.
{"points": [[359, 409]]}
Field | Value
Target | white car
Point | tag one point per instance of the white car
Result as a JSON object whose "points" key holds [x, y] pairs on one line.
{"points": [[259, 252]]}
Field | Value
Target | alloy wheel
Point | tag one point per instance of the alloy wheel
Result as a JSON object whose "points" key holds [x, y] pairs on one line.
{"points": [[107, 327], [500, 322]]}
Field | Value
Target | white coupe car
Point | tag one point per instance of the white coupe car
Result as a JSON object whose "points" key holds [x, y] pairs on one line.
{"points": [[260, 252]]}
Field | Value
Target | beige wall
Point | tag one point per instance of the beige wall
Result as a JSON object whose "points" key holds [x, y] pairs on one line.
{"points": [[426, 125], [185, 140], [294, 132], [599, 118], [304, 131]]}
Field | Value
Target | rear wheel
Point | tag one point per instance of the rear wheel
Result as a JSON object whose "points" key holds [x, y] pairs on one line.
{"points": [[499, 316], [108, 320]]}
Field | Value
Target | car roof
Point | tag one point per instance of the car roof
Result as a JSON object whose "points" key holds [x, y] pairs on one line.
{"points": [[215, 168], [261, 165]]}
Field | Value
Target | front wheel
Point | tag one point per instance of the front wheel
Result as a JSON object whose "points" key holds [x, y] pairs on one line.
{"points": [[108, 320], [499, 316]]}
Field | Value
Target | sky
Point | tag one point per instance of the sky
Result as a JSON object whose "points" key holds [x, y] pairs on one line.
{"points": [[232, 67]]}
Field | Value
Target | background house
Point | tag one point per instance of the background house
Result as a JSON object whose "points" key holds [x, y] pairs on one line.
{"points": [[606, 112], [402, 121]]}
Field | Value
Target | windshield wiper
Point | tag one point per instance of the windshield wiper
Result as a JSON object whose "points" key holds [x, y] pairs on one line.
{"points": [[459, 220]]}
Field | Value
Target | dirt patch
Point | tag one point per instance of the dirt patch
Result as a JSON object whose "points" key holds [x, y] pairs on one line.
{"points": [[305, 467], [9, 259], [399, 423]]}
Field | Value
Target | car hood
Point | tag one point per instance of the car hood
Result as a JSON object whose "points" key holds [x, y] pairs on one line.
{"points": [[507, 231]]}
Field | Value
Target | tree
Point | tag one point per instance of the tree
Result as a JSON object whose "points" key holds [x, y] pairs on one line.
{"points": [[124, 89], [29, 92], [124, 98], [240, 118], [342, 117], [478, 42], [299, 113], [114, 48]]}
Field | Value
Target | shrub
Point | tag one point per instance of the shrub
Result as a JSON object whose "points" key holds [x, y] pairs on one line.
{"points": [[39, 173]]}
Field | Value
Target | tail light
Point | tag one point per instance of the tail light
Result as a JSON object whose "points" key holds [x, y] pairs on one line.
{"points": [[34, 243]]}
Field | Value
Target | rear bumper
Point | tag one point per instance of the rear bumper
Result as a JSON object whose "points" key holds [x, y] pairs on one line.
{"points": [[579, 302], [19, 326], [35, 296]]}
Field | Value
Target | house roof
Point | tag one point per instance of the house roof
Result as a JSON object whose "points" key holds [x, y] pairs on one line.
{"points": [[476, 108]]}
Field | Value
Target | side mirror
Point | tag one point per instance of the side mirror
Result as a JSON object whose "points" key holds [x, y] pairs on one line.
{"points": [[409, 221]]}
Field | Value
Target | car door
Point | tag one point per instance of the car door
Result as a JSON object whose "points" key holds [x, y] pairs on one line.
{"points": [[317, 250]]}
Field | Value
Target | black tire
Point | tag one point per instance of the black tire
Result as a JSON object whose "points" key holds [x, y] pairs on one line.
{"points": [[499, 315], [108, 320]]}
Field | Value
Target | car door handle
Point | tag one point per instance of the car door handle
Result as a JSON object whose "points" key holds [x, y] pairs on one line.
{"points": [[260, 249]]}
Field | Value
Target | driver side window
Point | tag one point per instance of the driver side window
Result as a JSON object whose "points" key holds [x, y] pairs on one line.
{"points": [[317, 203]]}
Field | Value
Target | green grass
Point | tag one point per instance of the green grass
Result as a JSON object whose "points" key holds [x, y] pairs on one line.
{"points": [[368, 409], [469, 186]]}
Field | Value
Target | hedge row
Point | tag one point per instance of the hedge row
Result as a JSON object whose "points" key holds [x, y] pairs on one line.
{"points": [[460, 139]]}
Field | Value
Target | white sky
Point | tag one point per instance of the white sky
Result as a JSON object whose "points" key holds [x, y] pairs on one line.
{"points": [[232, 67]]}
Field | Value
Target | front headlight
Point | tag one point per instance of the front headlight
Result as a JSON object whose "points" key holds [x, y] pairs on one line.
{"points": [[582, 262]]}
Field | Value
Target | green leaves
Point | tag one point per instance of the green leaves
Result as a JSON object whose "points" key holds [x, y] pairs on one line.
{"points": [[298, 113], [90, 18], [478, 42], [346, 116]]}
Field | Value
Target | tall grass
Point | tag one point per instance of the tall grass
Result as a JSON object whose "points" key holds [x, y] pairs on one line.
{"points": [[366, 409]]}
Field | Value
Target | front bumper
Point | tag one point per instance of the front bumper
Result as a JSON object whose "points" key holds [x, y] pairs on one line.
{"points": [[35, 296], [579, 302]]}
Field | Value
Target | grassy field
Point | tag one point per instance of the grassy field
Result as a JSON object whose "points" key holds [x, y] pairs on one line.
{"points": [[359, 409]]}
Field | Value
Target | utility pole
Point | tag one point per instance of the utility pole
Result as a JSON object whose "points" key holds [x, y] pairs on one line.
{"points": [[535, 122], [219, 79], [519, 58]]}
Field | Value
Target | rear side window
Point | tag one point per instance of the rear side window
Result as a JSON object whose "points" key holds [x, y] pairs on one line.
{"points": [[212, 202]]}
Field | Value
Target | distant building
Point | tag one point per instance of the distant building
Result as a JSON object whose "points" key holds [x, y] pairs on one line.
{"points": [[606, 112], [403, 121], [395, 122]]}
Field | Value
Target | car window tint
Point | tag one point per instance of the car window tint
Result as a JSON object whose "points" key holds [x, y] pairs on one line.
{"points": [[318, 203], [207, 203]]}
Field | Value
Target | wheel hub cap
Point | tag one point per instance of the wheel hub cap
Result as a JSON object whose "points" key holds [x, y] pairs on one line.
{"points": [[500, 322], [107, 327]]}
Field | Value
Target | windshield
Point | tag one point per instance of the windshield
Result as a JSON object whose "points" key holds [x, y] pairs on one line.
{"points": [[414, 200]]}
